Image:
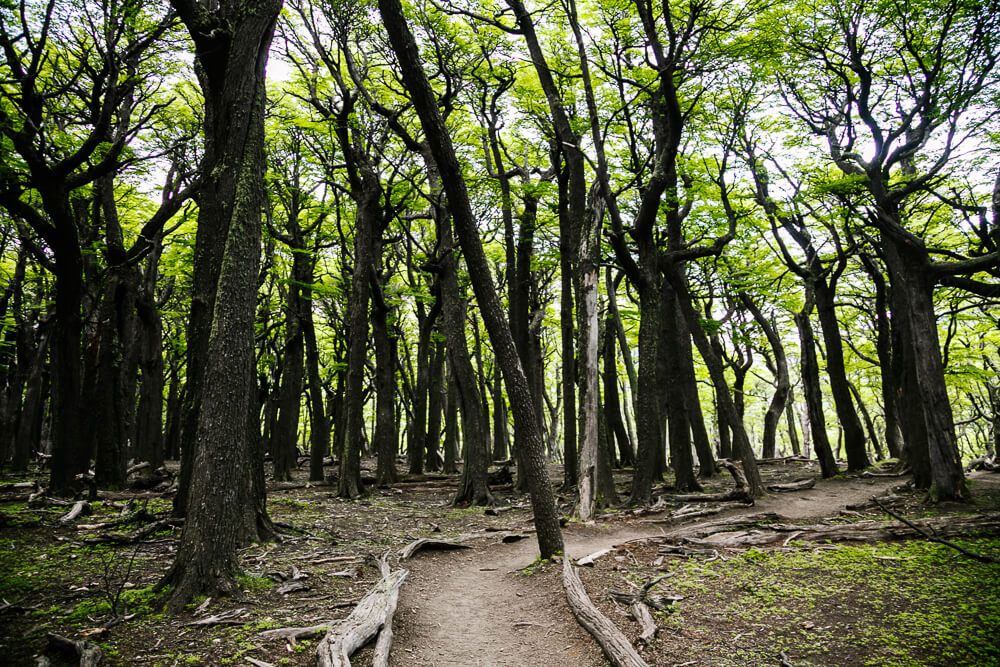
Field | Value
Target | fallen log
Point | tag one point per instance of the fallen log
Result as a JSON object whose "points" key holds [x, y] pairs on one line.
{"points": [[683, 514], [427, 544], [370, 616], [138, 467], [616, 646], [79, 507], [983, 463], [135, 535], [859, 531], [383, 645], [797, 485], [89, 653], [742, 492]]}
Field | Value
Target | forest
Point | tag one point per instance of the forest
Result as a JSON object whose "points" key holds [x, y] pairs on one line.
{"points": [[293, 283]]}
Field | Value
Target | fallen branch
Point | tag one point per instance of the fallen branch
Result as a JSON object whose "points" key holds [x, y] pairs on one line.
{"points": [[370, 616], [79, 507], [640, 612], [982, 558], [616, 646], [134, 517], [424, 544], [797, 485], [742, 492], [89, 653], [292, 635], [135, 535], [224, 618]]}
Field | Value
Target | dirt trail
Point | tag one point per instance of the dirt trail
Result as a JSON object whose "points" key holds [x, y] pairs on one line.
{"points": [[473, 608]]}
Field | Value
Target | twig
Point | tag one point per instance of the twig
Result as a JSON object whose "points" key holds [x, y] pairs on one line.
{"points": [[982, 558]]}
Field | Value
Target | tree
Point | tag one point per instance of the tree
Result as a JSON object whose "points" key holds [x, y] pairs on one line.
{"points": [[896, 91], [226, 499], [453, 182], [87, 72]]}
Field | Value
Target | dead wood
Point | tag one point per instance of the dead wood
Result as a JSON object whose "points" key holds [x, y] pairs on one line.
{"points": [[89, 653], [138, 467], [742, 492], [135, 535], [892, 473], [646, 596], [781, 460], [988, 463], [371, 614], [292, 635], [20, 487], [859, 531], [891, 500], [292, 587], [588, 561], [138, 516], [383, 645], [971, 554], [224, 618], [427, 544], [616, 646], [79, 507], [797, 485], [257, 663], [683, 514], [640, 612], [729, 523]]}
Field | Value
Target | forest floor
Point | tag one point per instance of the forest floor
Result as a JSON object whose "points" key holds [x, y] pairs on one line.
{"points": [[899, 602]]}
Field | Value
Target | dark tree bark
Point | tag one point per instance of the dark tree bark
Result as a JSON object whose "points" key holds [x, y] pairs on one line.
{"points": [[888, 363], [425, 103], [811, 388], [435, 403], [741, 443], [149, 426], [847, 414], [793, 432], [500, 436], [386, 433], [450, 443], [612, 402], [679, 428], [782, 384], [231, 43]]}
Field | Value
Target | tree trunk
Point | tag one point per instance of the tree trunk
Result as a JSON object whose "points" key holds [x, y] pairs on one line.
{"points": [[647, 408], [612, 400], [386, 434], [588, 332], [811, 389], [232, 46], [854, 432], [741, 443], [929, 427], [782, 384], [435, 403], [679, 428], [425, 103], [285, 438]]}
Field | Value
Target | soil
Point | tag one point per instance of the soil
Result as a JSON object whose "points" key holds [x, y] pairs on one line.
{"points": [[493, 604]]}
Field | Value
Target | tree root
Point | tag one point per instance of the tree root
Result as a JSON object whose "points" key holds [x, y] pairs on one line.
{"points": [[373, 613], [616, 646]]}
